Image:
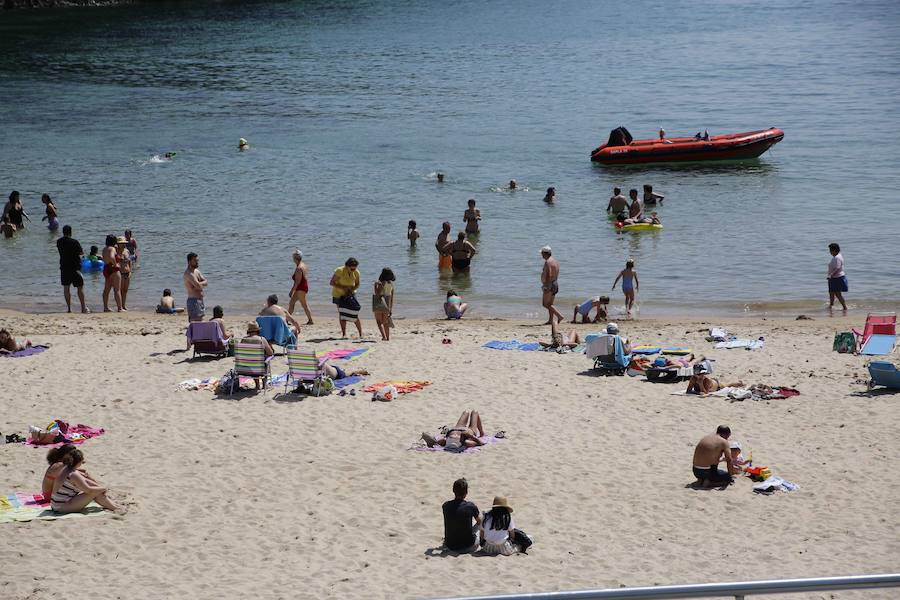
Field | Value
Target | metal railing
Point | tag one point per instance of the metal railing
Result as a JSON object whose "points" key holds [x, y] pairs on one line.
{"points": [[737, 590]]}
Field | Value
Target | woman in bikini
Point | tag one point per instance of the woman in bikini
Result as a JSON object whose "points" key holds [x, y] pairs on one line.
{"points": [[72, 490], [112, 279], [301, 286], [465, 434], [124, 268], [51, 215], [701, 383]]}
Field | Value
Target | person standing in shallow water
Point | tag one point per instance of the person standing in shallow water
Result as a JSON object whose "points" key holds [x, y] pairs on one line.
{"points": [[837, 279], [444, 260], [300, 287], [471, 217]]}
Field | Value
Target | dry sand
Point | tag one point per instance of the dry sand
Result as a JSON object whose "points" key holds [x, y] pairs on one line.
{"points": [[261, 496]]}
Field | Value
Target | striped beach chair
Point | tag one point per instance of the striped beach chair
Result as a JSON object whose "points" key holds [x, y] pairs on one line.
{"points": [[303, 366], [250, 360]]}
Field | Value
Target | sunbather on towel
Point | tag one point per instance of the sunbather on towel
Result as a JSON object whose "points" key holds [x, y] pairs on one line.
{"points": [[465, 434], [8, 343], [701, 383], [73, 491], [663, 362], [558, 339], [54, 459], [335, 372]]}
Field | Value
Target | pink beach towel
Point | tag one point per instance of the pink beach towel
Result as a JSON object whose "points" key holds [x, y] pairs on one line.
{"points": [[75, 434]]}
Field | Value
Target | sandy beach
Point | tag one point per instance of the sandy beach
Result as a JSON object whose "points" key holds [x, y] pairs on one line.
{"points": [[269, 496]]}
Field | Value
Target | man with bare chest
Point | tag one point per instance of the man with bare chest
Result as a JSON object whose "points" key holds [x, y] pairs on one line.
{"points": [[710, 451]]}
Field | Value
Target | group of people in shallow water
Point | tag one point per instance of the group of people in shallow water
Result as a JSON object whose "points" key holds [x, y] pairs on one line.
{"points": [[14, 215], [629, 211]]}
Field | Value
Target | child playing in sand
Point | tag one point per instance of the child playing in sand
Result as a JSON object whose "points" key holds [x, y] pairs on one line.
{"points": [[584, 309], [167, 304], [454, 307], [411, 234], [630, 283], [738, 462]]}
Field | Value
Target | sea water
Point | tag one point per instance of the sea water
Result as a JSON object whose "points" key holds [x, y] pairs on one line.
{"points": [[351, 108]]}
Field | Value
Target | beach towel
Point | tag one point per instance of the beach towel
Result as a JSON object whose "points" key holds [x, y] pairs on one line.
{"points": [[75, 434], [351, 380], [676, 351], [748, 344], [347, 354], [403, 386], [512, 345], [645, 349], [207, 383], [30, 351], [421, 446], [879, 344], [22, 506]]}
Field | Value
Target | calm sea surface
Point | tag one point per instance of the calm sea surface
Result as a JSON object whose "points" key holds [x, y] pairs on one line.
{"points": [[351, 107]]}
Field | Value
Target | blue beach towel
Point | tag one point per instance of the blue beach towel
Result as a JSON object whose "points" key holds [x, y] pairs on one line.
{"points": [[512, 345], [276, 330], [342, 383]]}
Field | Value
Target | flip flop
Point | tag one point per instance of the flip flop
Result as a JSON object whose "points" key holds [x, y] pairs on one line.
{"points": [[500, 434]]}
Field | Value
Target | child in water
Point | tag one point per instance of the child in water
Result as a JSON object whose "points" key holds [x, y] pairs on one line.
{"points": [[167, 304], [411, 234], [584, 309], [630, 283], [93, 256]]}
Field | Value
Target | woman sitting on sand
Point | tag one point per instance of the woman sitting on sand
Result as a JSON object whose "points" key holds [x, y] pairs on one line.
{"points": [[454, 307], [9, 344], [570, 339], [54, 459], [465, 434], [73, 490], [497, 529], [701, 383]]}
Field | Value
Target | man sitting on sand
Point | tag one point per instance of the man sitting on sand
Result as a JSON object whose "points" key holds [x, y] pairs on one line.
{"points": [[465, 434], [459, 514], [710, 451], [272, 309], [584, 309]]}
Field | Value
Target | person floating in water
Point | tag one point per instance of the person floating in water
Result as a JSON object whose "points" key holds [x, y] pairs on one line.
{"points": [[243, 144], [551, 195], [440, 177], [169, 155]]}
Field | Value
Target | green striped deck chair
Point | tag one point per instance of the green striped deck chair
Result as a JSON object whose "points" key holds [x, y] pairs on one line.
{"points": [[250, 360], [303, 366]]}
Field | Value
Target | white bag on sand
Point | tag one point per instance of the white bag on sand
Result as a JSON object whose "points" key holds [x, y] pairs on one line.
{"points": [[385, 394]]}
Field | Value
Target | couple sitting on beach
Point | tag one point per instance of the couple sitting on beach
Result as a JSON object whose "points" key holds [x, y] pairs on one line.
{"points": [[497, 533]]}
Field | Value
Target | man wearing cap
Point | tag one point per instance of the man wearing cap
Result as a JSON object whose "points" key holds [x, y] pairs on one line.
{"points": [[253, 337], [459, 530], [549, 285], [710, 451]]}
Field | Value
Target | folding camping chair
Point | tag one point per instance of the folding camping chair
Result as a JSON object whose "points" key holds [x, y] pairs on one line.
{"points": [[879, 336], [250, 360], [303, 366], [206, 338]]}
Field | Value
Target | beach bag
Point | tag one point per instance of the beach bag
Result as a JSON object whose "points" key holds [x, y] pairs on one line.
{"points": [[323, 386], [385, 394], [522, 540], [844, 342]]}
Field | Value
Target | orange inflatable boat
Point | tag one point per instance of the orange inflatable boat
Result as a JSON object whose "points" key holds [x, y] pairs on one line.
{"points": [[621, 149]]}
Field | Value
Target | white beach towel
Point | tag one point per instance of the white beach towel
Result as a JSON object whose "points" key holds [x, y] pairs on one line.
{"points": [[717, 334], [734, 393], [748, 344]]}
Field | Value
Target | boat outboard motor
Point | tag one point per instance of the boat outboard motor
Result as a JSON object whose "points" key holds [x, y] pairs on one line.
{"points": [[619, 137]]}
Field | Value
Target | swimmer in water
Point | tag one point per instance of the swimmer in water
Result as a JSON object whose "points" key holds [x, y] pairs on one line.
{"points": [[243, 144], [440, 178], [551, 195], [51, 216], [512, 185], [169, 155]]}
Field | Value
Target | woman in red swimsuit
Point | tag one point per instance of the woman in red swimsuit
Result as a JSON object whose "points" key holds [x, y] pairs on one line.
{"points": [[111, 275], [301, 287]]}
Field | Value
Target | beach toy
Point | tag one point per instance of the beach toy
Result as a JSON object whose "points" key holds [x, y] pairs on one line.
{"points": [[676, 351], [91, 265], [638, 226], [644, 349]]}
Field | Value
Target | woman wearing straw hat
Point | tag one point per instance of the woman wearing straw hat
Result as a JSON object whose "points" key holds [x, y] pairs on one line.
{"points": [[497, 529]]}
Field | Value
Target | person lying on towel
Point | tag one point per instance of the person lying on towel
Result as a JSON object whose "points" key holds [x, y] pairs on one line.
{"points": [[465, 434], [9, 344]]}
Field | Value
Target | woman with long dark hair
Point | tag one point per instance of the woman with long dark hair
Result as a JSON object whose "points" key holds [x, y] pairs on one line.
{"points": [[383, 303], [73, 491], [112, 278], [497, 529]]}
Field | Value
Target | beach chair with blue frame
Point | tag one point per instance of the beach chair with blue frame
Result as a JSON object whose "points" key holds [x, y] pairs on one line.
{"points": [[608, 353], [885, 374]]}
